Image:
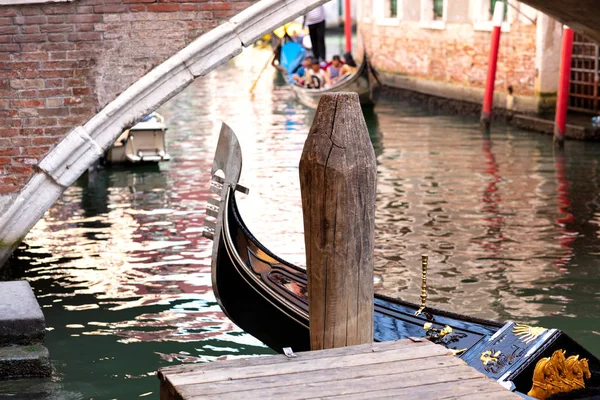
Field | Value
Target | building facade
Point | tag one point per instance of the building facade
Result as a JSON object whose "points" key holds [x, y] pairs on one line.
{"points": [[441, 48]]}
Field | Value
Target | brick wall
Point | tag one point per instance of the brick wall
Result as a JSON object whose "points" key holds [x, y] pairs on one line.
{"points": [[457, 54], [62, 62]]}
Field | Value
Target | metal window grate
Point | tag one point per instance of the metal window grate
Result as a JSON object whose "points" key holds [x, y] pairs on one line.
{"points": [[583, 94]]}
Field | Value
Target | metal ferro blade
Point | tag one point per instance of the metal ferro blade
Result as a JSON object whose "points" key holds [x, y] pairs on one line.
{"points": [[228, 156], [226, 170]]}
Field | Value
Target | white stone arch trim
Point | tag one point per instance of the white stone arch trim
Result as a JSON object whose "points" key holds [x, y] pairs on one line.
{"points": [[85, 144]]}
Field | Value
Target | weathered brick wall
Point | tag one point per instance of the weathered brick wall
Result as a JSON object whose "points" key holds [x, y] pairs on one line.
{"points": [[457, 54], [62, 62]]}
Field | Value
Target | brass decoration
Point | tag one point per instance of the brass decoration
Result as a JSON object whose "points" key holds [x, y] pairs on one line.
{"points": [[487, 357], [446, 331], [526, 333], [495, 361], [556, 374], [424, 261], [444, 336]]}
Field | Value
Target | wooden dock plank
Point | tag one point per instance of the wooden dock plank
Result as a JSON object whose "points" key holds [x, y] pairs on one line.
{"points": [[402, 369], [433, 390], [310, 389], [307, 363], [355, 372], [276, 359]]}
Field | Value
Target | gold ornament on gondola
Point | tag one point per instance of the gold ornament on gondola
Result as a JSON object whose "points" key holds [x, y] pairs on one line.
{"points": [[446, 331], [557, 374], [526, 333], [457, 351], [487, 357]]}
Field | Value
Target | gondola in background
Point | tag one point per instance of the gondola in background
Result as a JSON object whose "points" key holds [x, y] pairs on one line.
{"points": [[364, 81]]}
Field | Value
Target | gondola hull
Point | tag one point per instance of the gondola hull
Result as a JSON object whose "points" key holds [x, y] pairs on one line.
{"points": [[267, 297], [275, 303]]}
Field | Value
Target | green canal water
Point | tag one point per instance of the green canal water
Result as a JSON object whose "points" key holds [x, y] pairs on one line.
{"points": [[123, 274]]}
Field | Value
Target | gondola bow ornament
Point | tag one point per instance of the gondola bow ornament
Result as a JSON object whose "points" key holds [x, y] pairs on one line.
{"points": [[556, 374]]}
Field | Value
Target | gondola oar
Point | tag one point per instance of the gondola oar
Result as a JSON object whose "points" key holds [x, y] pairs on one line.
{"points": [[269, 60], [261, 72]]}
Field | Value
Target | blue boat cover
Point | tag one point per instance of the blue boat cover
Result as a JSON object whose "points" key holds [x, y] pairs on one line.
{"points": [[292, 55]]}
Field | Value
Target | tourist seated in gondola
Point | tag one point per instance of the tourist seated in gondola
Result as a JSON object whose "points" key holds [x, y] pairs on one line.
{"points": [[349, 66], [334, 68], [315, 76], [299, 75]]}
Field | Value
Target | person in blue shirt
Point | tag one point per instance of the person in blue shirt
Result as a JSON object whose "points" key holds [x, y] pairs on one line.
{"points": [[300, 74]]}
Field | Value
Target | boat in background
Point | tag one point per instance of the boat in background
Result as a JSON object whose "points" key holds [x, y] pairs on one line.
{"points": [[267, 297], [142, 143], [364, 81]]}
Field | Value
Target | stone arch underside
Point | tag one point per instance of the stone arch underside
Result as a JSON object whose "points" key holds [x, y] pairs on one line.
{"points": [[580, 15], [81, 147]]}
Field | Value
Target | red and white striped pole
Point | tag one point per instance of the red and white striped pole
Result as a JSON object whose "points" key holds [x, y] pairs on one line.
{"points": [[488, 97], [564, 79], [348, 26]]}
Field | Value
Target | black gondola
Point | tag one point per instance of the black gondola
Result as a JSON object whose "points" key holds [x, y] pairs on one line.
{"points": [[364, 81], [267, 297]]}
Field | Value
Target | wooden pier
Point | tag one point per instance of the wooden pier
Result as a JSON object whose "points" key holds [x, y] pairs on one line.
{"points": [[401, 369]]}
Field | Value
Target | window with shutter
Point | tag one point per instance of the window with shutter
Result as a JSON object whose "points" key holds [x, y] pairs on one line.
{"points": [[393, 9], [432, 14], [438, 9]]}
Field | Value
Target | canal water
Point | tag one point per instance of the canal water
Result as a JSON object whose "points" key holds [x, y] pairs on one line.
{"points": [[123, 274]]}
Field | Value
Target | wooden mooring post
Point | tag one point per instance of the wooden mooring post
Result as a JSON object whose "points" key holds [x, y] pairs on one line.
{"points": [[338, 182]]}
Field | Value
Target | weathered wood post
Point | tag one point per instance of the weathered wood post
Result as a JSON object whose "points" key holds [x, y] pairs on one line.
{"points": [[338, 181]]}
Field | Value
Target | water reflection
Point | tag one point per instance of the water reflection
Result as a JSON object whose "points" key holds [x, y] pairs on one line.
{"points": [[564, 203], [491, 203], [489, 209], [122, 272], [375, 134]]}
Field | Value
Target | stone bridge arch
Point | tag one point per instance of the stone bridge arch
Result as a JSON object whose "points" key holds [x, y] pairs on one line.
{"points": [[66, 30]]}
